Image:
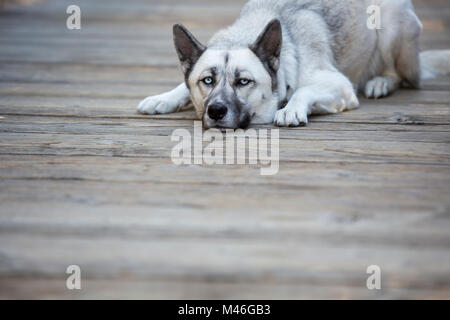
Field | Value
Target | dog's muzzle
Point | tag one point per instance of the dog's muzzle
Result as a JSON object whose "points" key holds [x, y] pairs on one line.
{"points": [[220, 115], [217, 111]]}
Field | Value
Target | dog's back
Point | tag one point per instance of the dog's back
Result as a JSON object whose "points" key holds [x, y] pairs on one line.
{"points": [[357, 50]]}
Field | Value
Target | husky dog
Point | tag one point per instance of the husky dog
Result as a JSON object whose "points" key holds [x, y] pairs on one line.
{"points": [[283, 60]]}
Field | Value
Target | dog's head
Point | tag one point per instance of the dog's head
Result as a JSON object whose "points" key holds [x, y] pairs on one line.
{"points": [[230, 88]]}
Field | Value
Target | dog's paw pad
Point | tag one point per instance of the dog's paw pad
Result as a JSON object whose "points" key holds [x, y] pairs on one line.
{"points": [[155, 105], [290, 118], [377, 88]]}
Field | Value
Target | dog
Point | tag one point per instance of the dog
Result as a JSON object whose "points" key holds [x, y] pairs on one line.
{"points": [[283, 60]]}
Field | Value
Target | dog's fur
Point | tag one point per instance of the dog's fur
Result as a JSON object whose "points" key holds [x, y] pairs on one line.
{"points": [[283, 60]]}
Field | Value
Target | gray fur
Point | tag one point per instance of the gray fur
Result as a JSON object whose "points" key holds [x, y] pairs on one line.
{"points": [[327, 54]]}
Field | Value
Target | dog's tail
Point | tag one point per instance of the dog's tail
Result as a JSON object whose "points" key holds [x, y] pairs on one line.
{"points": [[435, 63]]}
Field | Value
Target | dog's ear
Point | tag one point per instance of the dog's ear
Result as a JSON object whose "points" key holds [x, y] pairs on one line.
{"points": [[188, 48], [268, 45]]}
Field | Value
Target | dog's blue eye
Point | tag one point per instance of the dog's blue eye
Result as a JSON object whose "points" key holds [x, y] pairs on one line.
{"points": [[243, 82], [208, 81]]}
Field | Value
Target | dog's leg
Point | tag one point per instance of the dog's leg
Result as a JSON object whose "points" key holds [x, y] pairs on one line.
{"points": [[388, 80], [168, 102], [330, 92], [321, 88], [398, 49], [382, 86], [408, 63]]}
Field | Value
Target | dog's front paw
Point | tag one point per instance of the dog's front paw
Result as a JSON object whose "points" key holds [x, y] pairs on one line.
{"points": [[290, 117], [156, 105]]}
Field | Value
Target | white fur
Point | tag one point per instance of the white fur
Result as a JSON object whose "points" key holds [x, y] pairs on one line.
{"points": [[168, 102]]}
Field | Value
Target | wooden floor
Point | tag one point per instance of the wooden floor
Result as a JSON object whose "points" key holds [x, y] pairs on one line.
{"points": [[85, 180]]}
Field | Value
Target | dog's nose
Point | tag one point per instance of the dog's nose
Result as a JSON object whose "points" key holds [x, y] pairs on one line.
{"points": [[217, 111]]}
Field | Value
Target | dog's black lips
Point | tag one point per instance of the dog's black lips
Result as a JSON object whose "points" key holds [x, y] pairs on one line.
{"points": [[244, 121]]}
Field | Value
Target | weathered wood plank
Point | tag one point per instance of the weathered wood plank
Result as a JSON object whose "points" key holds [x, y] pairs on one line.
{"points": [[308, 150], [97, 168], [48, 288], [388, 111], [165, 128], [162, 127], [223, 256], [293, 263], [16, 72]]}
